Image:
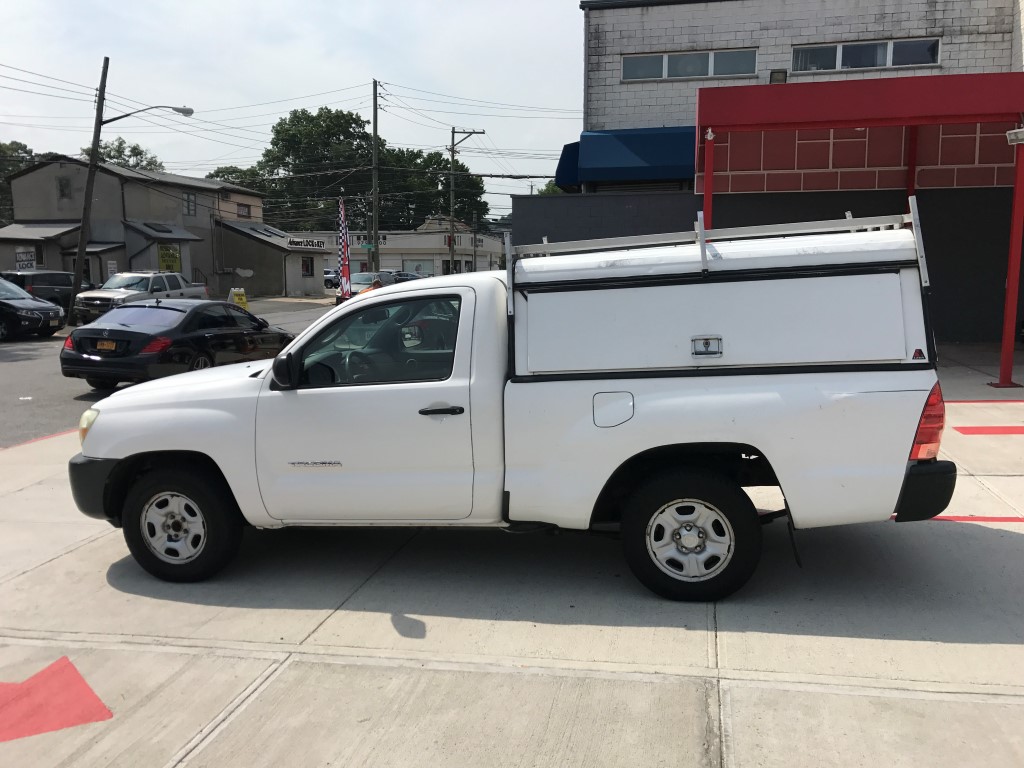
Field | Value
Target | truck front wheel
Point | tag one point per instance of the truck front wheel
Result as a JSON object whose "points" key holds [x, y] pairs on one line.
{"points": [[691, 536], [181, 526]]}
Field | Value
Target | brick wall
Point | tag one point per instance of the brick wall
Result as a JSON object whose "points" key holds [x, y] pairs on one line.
{"points": [[976, 36], [947, 156]]}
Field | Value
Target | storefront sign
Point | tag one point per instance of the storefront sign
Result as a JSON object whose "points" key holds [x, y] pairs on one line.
{"points": [[24, 258], [169, 257], [295, 242]]}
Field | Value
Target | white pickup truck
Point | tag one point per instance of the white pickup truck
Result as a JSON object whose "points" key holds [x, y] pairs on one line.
{"points": [[634, 385], [125, 287]]}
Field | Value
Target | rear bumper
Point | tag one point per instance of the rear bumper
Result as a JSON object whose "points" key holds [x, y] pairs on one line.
{"points": [[927, 490], [89, 479]]}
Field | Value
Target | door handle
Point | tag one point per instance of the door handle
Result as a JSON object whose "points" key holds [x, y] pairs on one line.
{"points": [[452, 410]]}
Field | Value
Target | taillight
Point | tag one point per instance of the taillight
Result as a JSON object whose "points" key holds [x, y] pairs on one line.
{"points": [[69, 344], [158, 344], [929, 428]]}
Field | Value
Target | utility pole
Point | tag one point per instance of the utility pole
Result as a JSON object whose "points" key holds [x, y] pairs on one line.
{"points": [[90, 182], [451, 186], [375, 252], [474, 241]]}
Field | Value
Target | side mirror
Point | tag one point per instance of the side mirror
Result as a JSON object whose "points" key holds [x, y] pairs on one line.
{"points": [[283, 371], [154, 289]]}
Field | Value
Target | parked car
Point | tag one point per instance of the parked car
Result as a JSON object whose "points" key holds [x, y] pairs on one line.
{"points": [[22, 313], [331, 278], [363, 280], [126, 287], [49, 284], [147, 340], [403, 277]]}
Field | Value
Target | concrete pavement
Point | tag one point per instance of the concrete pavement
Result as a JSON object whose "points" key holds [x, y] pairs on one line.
{"points": [[894, 645]]}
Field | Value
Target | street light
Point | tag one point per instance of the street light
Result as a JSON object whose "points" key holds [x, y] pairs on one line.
{"points": [[90, 179]]}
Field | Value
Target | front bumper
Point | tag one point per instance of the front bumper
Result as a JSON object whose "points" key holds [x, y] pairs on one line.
{"points": [[38, 322], [927, 490], [89, 480]]}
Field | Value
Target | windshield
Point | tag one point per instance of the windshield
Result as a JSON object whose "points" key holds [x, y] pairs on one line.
{"points": [[11, 291], [132, 282], [158, 317], [363, 278]]}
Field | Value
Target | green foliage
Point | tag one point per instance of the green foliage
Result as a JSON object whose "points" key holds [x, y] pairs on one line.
{"points": [[13, 157], [549, 189], [314, 157], [120, 152]]}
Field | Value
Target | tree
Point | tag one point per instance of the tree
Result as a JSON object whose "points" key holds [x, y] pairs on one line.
{"points": [[314, 157], [13, 157], [120, 152], [549, 189]]}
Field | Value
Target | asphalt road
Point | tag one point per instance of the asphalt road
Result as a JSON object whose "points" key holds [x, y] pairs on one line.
{"points": [[36, 400]]}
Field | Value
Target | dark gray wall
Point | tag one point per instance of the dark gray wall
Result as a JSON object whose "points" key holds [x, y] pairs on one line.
{"points": [[582, 217], [966, 235]]}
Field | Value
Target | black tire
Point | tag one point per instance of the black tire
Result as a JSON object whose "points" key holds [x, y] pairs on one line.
{"points": [[200, 361], [328, 284], [722, 501], [103, 385], [5, 330], [208, 496]]}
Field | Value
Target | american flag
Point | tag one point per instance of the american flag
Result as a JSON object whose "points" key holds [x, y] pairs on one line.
{"points": [[343, 264]]}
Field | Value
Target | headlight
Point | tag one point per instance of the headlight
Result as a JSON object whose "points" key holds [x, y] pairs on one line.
{"points": [[85, 423], [117, 302], [26, 313]]}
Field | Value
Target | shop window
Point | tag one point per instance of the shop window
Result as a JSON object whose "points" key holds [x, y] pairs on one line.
{"points": [[307, 266], [866, 55], [694, 64]]}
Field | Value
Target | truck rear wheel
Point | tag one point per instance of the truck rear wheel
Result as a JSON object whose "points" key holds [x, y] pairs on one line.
{"points": [[181, 525], [689, 535]]}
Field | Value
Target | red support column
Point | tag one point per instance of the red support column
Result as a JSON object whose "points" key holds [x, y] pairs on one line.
{"points": [[911, 159], [1012, 274], [709, 175]]}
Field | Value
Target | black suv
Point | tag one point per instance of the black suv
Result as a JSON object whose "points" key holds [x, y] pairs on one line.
{"points": [[48, 284]]}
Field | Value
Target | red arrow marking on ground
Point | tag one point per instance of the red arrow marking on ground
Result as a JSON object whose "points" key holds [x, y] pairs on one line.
{"points": [[54, 698]]}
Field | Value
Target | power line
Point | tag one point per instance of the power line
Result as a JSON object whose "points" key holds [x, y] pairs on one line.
{"points": [[478, 101], [37, 93]]}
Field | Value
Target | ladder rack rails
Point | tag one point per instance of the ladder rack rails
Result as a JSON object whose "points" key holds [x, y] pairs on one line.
{"points": [[701, 236]]}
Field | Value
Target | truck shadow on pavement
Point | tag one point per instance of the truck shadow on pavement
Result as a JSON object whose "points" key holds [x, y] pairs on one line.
{"points": [[935, 581]]}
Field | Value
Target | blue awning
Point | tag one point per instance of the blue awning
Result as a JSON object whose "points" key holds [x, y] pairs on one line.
{"points": [[628, 155], [637, 154], [568, 172]]}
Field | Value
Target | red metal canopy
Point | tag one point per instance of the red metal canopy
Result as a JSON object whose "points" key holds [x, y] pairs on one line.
{"points": [[868, 103]]}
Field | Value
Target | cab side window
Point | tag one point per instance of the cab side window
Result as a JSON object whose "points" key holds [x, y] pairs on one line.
{"points": [[243, 319], [158, 284], [210, 319]]}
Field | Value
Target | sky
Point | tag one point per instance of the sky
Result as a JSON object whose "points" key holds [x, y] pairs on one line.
{"points": [[512, 69]]}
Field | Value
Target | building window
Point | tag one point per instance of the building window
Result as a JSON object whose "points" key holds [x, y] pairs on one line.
{"points": [[307, 266], [870, 55], [671, 66], [63, 187], [188, 203], [225, 195], [244, 211]]}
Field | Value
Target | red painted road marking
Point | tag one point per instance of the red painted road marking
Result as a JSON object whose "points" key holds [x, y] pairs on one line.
{"points": [[969, 402], [978, 519], [990, 430], [37, 439], [54, 698]]}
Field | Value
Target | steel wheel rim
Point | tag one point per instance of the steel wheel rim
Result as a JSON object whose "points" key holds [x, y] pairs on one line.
{"points": [[173, 528], [690, 540], [200, 363]]}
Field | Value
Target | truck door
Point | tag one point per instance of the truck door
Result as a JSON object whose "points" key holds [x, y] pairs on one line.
{"points": [[379, 426]]}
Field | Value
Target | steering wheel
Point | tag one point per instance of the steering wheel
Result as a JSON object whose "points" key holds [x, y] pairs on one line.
{"points": [[360, 364]]}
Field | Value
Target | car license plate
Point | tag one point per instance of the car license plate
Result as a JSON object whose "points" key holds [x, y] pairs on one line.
{"points": [[55, 323], [106, 345]]}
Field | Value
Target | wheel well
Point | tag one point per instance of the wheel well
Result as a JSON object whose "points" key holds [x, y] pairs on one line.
{"points": [[129, 469], [744, 464]]}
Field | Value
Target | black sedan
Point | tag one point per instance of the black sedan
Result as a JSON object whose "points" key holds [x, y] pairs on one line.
{"points": [[149, 339], [22, 313]]}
